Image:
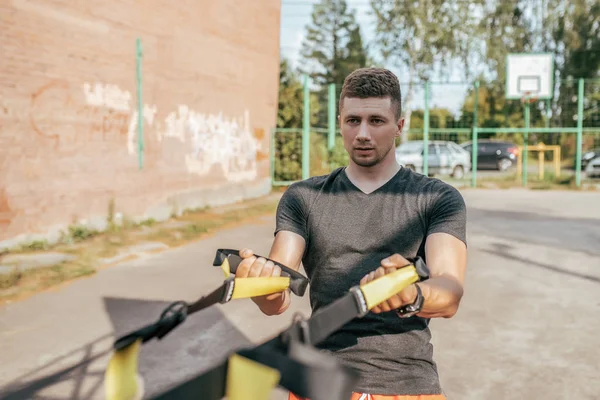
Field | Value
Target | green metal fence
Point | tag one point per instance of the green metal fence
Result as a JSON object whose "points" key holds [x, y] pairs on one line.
{"points": [[571, 120]]}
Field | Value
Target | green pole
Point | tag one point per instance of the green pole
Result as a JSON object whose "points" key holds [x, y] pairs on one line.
{"points": [[272, 151], [140, 122], [474, 139], [306, 132], [579, 133], [426, 131], [548, 113], [525, 140], [331, 125]]}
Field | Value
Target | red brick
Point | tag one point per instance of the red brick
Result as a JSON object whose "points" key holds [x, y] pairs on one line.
{"points": [[64, 155]]}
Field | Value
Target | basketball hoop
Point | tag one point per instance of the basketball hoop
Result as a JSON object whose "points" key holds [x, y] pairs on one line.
{"points": [[529, 76], [529, 97]]}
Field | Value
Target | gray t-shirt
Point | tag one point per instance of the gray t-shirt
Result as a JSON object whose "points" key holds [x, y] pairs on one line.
{"points": [[348, 233]]}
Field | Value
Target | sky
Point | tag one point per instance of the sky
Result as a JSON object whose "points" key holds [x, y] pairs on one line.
{"points": [[296, 14]]}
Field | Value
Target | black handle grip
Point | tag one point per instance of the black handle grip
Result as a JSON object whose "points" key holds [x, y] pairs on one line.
{"points": [[421, 267], [298, 282]]}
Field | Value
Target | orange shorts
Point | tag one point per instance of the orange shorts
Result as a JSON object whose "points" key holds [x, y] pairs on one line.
{"points": [[364, 396]]}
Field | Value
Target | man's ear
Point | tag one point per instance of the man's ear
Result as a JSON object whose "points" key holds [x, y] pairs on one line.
{"points": [[400, 126]]}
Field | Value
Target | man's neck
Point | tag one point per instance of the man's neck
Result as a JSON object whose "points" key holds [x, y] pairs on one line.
{"points": [[369, 179]]}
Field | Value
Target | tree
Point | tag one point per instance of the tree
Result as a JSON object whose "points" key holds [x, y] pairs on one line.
{"points": [[332, 48], [291, 99], [504, 29], [288, 144], [574, 36], [421, 34]]}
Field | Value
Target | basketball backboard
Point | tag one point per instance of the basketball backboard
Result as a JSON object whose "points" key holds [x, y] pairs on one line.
{"points": [[529, 73]]}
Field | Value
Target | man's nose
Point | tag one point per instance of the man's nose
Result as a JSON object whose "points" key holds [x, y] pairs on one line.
{"points": [[363, 131]]}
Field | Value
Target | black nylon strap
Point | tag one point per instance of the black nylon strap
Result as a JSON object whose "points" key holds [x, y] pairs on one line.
{"points": [[174, 315], [329, 319], [304, 371], [220, 295]]}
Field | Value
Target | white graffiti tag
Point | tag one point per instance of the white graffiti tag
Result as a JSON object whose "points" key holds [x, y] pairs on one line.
{"points": [[214, 140]]}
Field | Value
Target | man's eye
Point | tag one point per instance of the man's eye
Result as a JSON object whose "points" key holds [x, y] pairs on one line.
{"points": [[353, 120], [377, 121]]}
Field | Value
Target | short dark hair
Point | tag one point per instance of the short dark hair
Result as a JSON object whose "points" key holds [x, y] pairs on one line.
{"points": [[373, 82]]}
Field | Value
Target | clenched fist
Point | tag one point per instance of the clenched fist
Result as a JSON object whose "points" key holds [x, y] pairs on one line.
{"points": [[389, 265], [252, 266]]}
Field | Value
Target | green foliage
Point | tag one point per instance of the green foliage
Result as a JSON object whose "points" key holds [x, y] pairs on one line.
{"points": [[419, 35], [288, 155], [291, 99], [504, 29], [79, 233], [333, 45], [332, 49]]}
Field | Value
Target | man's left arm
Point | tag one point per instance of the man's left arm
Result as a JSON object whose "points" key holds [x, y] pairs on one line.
{"points": [[446, 259]]}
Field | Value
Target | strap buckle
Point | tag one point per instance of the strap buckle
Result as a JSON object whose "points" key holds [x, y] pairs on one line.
{"points": [[299, 331], [228, 292], [166, 323], [361, 302]]}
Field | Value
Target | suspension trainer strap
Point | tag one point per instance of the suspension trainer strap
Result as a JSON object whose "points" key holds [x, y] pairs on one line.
{"points": [[303, 370], [122, 368], [232, 288]]}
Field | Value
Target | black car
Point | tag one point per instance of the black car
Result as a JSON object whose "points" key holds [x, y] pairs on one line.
{"points": [[492, 154]]}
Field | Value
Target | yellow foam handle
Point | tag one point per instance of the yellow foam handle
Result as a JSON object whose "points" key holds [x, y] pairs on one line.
{"points": [[248, 379], [121, 380], [384, 287], [250, 287], [226, 269]]}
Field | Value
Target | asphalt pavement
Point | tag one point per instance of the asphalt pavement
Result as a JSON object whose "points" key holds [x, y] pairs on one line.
{"points": [[527, 327]]}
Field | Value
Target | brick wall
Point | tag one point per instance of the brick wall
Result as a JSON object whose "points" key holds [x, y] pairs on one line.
{"points": [[68, 108]]}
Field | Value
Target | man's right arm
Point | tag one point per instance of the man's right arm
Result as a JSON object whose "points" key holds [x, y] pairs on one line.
{"points": [[287, 249]]}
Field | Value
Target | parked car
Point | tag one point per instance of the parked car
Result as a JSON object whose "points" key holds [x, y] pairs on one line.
{"points": [[592, 169], [588, 156], [492, 154], [445, 158]]}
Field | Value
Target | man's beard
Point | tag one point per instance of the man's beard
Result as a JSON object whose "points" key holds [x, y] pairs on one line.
{"points": [[370, 162]]}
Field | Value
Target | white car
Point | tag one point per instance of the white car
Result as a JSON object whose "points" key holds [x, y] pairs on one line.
{"points": [[592, 169], [445, 158]]}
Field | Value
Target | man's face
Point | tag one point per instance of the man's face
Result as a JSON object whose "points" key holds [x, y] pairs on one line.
{"points": [[369, 128]]}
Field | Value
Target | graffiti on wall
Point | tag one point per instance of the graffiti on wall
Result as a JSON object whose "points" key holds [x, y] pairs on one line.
{"points": [[214, 140], [57, 114], [210, 139]]}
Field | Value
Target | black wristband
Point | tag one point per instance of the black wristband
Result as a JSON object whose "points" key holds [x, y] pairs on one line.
{"points": [[409, 310]]}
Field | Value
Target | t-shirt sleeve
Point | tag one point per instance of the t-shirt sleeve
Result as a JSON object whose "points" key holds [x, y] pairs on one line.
{"points": [[292, 212], [448, 214]]}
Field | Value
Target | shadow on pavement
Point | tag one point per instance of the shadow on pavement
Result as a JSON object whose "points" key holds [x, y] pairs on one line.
{"points": [[577, 234], [201, 342], [31, 384], [503, 251]]}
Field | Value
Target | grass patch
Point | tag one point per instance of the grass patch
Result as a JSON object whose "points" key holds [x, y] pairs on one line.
{"points": [[548, 182], [89, 246], [22, 283]]}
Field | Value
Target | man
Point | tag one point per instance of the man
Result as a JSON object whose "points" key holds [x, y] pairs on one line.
{"points": [[363, 221]]}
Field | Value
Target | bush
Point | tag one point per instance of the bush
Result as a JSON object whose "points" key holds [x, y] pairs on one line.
{"points": [[288, 155]]}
